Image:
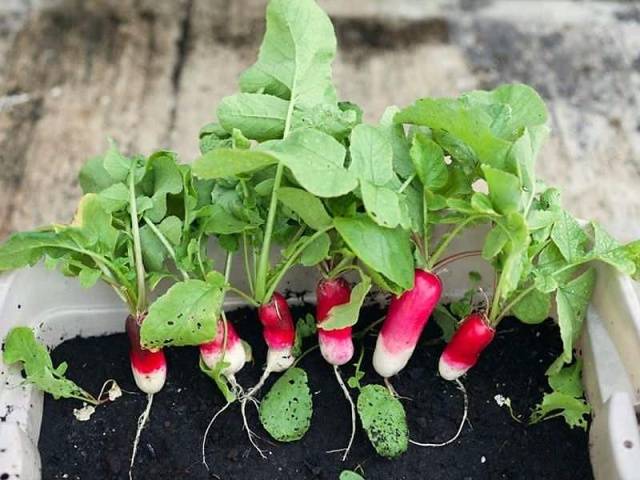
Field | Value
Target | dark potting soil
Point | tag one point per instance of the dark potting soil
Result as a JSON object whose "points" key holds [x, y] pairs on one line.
{"points": [[491, 446]]}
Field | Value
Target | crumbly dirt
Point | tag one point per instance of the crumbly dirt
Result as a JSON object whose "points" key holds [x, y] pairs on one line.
{"points": [[492, 444]]}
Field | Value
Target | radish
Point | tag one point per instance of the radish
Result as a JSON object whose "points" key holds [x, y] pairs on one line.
{"points": [[336, 346], [279, 333], [149, 367], [407, 316], [462, 352], [229, 349]]}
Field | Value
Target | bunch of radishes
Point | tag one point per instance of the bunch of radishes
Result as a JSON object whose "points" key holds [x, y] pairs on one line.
{"points": [[291, 176]]}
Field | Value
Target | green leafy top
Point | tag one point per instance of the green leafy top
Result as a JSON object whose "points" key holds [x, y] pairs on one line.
{"points": [[21, 346]]}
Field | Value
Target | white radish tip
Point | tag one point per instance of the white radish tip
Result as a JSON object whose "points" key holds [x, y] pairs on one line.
{"points": [[235, 357], [278, 360], [151, 382], [386, 363], [449, 371], [336, 352]]}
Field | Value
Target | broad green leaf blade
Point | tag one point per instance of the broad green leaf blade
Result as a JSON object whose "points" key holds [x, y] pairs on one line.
{"points": [[494, 242], [533, 308], [446, 322], [428, 161], [347, 314], [505, 190], [285, 412], [467, 123], [88, 277], [117, 165], [568, 380], [385, 206], [402, 164], [316, 251], [164, 175], [305, 327], [371, 155], [20, 345], [328, 118], [225, 162], [258, 116], [186, 315], [295, 57], [632, 250], [92, 226], [171, 228], [114, 197], [384, 419], [27, 248], [572, 300], [526, 107], [573, 410], [316, 161], [608, 250], [93, 177], [569, 237], [154, 252], [308, 207], [384, 250], [217, 220], [349, 475]]}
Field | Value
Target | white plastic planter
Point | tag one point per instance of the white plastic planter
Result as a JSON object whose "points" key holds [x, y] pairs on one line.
{"points": [[59, 309]]}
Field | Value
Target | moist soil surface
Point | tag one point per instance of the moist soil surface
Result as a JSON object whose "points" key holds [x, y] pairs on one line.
{"points": [[492, 445]]}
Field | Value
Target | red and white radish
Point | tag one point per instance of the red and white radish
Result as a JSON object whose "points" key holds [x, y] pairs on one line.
{"points": [[227, 347], [232, 352], [149, 367], [336, 346], [466, 345], [279, 333], [406, 318]]}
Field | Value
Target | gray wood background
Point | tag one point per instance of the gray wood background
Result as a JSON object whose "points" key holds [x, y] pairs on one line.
{"points": [[149, 73]]}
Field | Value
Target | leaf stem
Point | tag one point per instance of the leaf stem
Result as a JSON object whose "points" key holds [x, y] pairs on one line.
{"points": [[406, 183], [425, 225], [167, 246], [263, 259], [137, 248], [513, 303], [444, 243], [292, 258], [227, 266], [244, 296], [247, 268]]}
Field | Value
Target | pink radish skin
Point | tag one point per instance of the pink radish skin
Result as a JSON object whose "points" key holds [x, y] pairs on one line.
{"points": [[278, 331], [336, 346], [466, 345], [406, 318], [149, 367], [212, 352]]}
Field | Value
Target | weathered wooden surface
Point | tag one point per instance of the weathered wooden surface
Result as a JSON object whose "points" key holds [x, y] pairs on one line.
{"points": [[150, 73]]}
